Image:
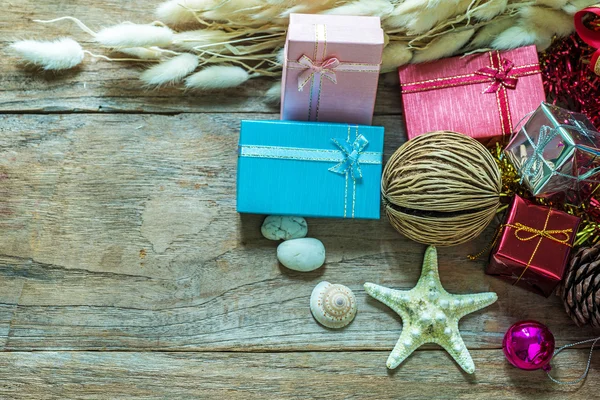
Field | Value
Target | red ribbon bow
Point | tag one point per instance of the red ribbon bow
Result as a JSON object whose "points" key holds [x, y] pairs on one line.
{"points": [[500, 75]]}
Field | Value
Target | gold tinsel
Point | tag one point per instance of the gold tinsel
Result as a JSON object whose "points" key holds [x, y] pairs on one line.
{"points": [[589, 228]]}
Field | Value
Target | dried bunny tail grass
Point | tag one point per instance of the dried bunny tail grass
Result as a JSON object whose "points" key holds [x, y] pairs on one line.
{"points": [[134, 35], [490, 9], [544, 19], [68, 18], [443, 46], [518, 36], [152, 53], [233, 10], [273, 95], [181, 12], [201, 37], [485, 35], [217, 77], [376, 8], [394, 56], [170, 71], [557, 4], [59, 54]]}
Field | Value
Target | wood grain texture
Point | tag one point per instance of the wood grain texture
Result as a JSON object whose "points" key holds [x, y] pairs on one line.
{"points": [[120, 232], [101, 86], [305, 375], [126, 272]]}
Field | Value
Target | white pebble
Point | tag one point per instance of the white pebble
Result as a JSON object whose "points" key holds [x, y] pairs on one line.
{"points": [[277, 227], [305, 254]]}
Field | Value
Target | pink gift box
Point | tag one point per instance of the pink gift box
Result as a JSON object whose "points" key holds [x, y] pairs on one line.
{"points": [[331, 68], [483, 95]]}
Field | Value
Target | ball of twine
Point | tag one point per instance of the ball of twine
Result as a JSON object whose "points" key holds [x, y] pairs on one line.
{"points": [[441, 188]]}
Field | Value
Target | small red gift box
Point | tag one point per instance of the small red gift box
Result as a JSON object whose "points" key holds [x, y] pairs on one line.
{"points": [[533, 249], [482, 95]]}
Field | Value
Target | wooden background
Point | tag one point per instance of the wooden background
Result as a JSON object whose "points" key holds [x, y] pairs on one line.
{"points": [[125, 271]]}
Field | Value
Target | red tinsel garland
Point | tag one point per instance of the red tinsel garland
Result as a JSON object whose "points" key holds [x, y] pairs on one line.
{"points": [[568, 80]]}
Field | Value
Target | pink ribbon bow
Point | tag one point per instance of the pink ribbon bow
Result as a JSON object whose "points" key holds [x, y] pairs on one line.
{"points": [[501, 76], [326, 69]]}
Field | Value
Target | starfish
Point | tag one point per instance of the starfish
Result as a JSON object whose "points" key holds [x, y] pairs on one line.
{"points": [[430, 314]]}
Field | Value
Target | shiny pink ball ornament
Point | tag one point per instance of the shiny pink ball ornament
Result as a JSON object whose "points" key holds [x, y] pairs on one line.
{"points": [[528, 345]]}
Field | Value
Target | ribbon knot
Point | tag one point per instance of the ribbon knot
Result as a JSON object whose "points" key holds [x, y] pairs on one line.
{"points": [[532, 167], [561, 236], [501, 76], [351, 152], [312, 68]]}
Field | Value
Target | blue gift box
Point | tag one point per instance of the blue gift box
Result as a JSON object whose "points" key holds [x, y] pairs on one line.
{"points": [[309, 169]]}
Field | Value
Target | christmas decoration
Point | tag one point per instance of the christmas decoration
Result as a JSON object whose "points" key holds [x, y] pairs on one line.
{"points": [[580, 290], [528, 345], [557, 151], [568, 79], [441, 188], [588, 211], [533, 246], [430, 314], [589, 35]]}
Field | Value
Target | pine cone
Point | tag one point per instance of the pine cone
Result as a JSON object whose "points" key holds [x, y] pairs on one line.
{"points": [[581, 288]]}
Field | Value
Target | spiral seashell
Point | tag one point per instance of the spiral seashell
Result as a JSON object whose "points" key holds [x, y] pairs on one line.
{"points": [[333, 306]]}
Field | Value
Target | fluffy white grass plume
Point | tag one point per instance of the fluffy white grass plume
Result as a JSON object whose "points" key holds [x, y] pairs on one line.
{"points": [[518, 36], [280, 56], [134, 35], [63, 53], [217, 77], [375, 8], [227, 9], [170, 71], [200, 37], [552, 3], [490, 9], [544, 19], [395, 55], [484, 36], [142, 52], [273, 95], [443, 46], [181, 12]]}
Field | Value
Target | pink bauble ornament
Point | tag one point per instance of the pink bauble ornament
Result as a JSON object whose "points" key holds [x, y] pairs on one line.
{"points": [[528, 345]]}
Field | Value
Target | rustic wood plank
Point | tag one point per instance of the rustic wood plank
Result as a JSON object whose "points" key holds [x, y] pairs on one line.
{"points": [[100, 86], [120, 232], [351, 375]]}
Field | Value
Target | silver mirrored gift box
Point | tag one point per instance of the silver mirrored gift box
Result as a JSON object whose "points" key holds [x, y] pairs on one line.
{"points": [[557, 151]]}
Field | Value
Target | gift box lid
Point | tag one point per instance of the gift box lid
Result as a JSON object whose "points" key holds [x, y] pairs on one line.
{"points": [[304, 169], [357, 39]]}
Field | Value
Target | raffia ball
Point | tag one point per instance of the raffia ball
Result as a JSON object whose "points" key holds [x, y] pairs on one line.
{"points": [[441, 188]]}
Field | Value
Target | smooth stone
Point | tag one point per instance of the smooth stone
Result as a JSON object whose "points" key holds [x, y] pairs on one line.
{"points": [[277, 227], [305, 254]]}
